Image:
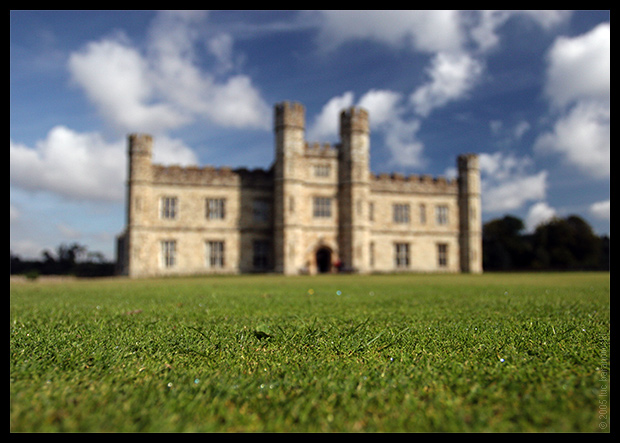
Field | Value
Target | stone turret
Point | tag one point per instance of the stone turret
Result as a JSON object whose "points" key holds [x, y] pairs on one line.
{"points": [[289, 122], [354, 189], [470, 216]]}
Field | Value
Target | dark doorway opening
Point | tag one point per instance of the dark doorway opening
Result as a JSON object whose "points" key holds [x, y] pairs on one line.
{"points": [[323, 260]]}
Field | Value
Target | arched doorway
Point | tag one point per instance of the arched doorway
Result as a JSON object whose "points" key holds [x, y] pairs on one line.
{"points": [[323, 260]]}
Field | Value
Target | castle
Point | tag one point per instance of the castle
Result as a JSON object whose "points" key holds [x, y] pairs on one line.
{"points": [[317, 209]]}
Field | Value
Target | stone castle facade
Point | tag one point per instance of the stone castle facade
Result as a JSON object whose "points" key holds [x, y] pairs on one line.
{"points": [[317, 209]]}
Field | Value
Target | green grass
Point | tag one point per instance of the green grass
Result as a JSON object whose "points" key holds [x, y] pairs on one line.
{"points": [[408, 353]]}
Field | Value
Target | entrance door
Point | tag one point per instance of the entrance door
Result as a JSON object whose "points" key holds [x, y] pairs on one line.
{"points": [[323, 260]]}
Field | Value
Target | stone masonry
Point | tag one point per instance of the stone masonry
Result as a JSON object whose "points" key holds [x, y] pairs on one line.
{"points": [[317, 209]]}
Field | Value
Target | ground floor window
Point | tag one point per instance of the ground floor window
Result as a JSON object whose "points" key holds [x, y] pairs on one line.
{"points": [[442, 255], [401, 255], [168, 253], [215, 254], [372, 255], [260, 259]]}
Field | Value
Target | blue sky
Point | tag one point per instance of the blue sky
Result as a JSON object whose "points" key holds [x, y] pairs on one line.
{"points": [[527, 90]]}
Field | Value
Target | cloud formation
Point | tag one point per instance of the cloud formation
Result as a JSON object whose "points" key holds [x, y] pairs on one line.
{"points": [[163, 87], [508, 183], [456, 64], [154, 89], [451, 77], [83, 166], [578, 89]]}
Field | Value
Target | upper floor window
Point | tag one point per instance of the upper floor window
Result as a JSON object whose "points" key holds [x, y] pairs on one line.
{"points": [[321, 170], [322, 207], [441, 215], [401, 213], [168, 207], [260, 210], [216, 208]]}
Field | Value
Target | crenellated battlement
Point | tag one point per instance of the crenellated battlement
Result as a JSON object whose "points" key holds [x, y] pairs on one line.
{"points": [[354, 120], [210, 176], [289, 114], [324, 150], [414, 183]]}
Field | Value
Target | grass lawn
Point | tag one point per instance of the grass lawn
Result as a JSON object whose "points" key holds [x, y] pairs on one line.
{"points": [[402, 353]]}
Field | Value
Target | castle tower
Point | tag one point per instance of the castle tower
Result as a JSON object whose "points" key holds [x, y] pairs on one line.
{"points": [[354, 189], [289, 122], [139, 173], [470, 215], [139, 178]]}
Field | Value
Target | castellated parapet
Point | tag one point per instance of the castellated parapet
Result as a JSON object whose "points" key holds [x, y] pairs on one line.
{"points": [[317, 209]]}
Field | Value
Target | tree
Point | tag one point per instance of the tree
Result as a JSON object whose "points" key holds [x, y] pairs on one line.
{"points": [[504, 246], [70, 259], [566, 244], [561, 243]]}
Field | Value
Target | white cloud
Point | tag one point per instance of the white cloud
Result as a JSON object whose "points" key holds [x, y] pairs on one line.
{"points": [[520, 129], [579, 67], [221, 46], [402, 141], [452, 76], [507, 183], [382, 106], [326, 124], [538, 213], [79, 166], [416, 29], [578, 88], [483, 25], [601, 210], [385, 117], [583, 138], [82, 166], [164, 86], [172, 151], [116, 79]]}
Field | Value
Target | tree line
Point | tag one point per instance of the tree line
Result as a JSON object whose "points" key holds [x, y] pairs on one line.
{"points": [[559, 244], [69, 259]]}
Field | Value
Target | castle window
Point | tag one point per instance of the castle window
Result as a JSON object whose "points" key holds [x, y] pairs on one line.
{"points": [[261, 254], [168, 253], [168, 208], [215, 254], [321, 170], [216, 208], [441, 215], [422, 214], [401, 255], [442, 255], [401, 214], [372, 254], [371, 211], [260, 210], [322, 207]]}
